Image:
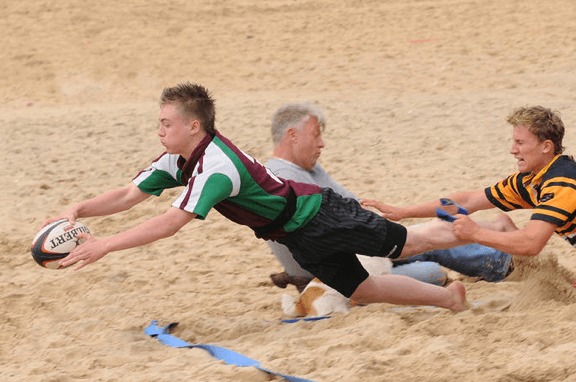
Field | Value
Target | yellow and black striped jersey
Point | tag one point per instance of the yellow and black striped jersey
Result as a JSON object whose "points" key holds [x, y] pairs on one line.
{"points": [[551, 193]]}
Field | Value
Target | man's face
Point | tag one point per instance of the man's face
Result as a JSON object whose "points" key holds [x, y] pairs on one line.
{"points": [[174, 131], [308, 144], [531, 154]]}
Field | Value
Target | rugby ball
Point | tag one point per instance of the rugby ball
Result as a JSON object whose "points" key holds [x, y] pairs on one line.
{"points": [[55, 242]]}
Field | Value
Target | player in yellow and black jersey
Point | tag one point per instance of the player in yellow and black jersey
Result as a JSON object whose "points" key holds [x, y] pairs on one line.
{"points": [[545, 182], [551, 193]]}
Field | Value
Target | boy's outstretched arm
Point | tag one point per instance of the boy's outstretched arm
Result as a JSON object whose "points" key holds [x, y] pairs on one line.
{"points": [[472, 201], [156, 228], [108, 203]]}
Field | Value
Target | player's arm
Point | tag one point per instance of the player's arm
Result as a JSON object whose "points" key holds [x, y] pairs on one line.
{"points": [[157, 228], [472, 201], [528, 241], [108, 203]]}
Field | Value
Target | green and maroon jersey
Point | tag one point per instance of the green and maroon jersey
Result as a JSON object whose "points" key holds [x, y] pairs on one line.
{"points": [[218, 174]]}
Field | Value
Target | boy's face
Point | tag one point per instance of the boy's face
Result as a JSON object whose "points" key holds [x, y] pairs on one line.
{"points": [[174, 131], [308, 144], [532, 155]]}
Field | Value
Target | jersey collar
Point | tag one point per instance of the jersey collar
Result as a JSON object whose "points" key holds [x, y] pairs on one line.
{"points": [[537, 179], [187, 166]]}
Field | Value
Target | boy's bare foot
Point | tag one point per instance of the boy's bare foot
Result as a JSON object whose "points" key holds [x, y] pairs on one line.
{"points": [[458, 293]]}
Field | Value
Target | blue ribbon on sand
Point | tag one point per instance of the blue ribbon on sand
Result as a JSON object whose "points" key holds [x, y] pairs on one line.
{"points": [[293, 320], [223, 354]]}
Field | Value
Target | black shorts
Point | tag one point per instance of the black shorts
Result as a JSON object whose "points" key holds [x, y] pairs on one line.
{"points": [[328, 244]]}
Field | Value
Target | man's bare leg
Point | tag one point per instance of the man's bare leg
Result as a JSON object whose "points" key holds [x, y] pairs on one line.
{"points": [[403, 290]]}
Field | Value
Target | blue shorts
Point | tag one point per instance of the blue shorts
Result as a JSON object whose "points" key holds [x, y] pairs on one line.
{"points": [[328, 244]]}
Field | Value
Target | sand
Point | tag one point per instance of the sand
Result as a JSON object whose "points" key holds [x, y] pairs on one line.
{"points": [[415, 95]]}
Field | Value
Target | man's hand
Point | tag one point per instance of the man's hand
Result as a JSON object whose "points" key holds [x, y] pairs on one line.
{"points": [[88, 252]]}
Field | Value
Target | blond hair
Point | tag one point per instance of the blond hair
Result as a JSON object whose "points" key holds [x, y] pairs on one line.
{"points": [[544, 123]]}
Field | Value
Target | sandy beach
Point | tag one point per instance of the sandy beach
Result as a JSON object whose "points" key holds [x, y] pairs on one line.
{"points": [[415, 95]]}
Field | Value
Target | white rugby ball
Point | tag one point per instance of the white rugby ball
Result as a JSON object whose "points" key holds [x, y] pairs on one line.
{"points": [[55, 242]]}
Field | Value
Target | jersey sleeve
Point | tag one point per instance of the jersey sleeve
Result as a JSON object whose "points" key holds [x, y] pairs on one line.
{"points": [[557, 201], [203, 193], [509, 194], [214, 179], [163, 173]]}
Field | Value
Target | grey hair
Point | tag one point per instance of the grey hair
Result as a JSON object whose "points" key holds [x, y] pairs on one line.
{"points": [[294, 115]]}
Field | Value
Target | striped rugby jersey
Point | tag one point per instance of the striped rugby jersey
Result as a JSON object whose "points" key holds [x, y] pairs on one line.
{"points": [[220, 175], [551, 193]]}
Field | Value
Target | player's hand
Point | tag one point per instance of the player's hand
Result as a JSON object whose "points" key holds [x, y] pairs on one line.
{"points": [[89, 251], [464, 227], [387, 211], [69, 214]]}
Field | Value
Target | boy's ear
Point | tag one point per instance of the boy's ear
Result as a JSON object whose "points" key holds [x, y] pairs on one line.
{"points": [[195, 126], [547, 146]]}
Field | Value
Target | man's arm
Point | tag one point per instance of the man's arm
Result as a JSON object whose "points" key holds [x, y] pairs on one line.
{"points": [[156, 228], [107, 203], [528, 241]]}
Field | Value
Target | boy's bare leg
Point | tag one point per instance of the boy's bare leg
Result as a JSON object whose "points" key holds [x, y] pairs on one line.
{"points": [[403, 290]]}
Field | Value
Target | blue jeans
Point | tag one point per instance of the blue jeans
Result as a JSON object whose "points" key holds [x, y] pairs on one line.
{"points": [[425, 271], [472, 260]]}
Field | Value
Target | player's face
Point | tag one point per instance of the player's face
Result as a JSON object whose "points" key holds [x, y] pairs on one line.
{"points": [[308, 144], [174, 131], [530, 153]]}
